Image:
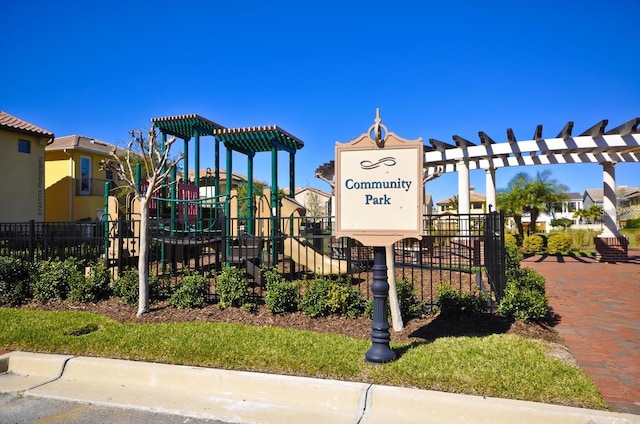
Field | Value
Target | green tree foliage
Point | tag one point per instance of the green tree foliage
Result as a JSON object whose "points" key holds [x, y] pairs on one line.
{"points": [[525, 194], [562, 222]]}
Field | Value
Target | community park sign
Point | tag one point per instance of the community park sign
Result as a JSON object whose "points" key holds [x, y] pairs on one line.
{"points": [[379, 187]]}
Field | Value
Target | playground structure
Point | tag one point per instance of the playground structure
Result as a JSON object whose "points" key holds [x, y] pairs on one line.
{"points": [[240, 230]]}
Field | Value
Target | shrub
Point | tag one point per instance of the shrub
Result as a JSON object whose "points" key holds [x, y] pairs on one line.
{"points": [[94, 287], [633, 223], [282, 296], [529, 279], [559, 243], [511, 240], [232, 287], [512, 259], [410, 306], [533, 243], [55, 279], [523, 303], [15, 281], [455, 303], [191, 293], [524, 296], [326, 296], [127, 287]]}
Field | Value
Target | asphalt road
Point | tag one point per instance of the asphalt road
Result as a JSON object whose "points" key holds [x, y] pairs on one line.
{"points": [[17, 409]]}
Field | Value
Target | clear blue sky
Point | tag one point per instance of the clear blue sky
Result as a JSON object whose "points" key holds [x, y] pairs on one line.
{"points": [[320, 69]]}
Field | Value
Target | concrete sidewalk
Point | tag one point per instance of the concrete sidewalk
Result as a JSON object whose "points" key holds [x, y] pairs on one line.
{"points": [[261, 398]]}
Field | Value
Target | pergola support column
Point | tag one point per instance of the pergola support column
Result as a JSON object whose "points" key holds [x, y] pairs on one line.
{"points": [[490, 182], [610, 244], [464, 198]]}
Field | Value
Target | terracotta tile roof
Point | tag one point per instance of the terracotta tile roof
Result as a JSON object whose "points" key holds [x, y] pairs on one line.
{"points": [[12, 123], [473, 198], [86, 144]]}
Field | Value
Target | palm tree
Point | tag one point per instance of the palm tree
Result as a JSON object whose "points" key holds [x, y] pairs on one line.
{"points": [[532, 195], [512, 200], [544, 194]]}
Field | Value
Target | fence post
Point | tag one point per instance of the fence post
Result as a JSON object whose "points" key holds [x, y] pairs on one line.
{"points": [[32, 237], [105, 218], [120, 244]]}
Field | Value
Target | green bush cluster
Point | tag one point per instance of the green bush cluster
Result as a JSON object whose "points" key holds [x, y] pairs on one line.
{"points": [[633, 223], [93, 287], [52, 279], [533, 243], [524, 295], [410, 306], [326, 296], [453, 302], [559, 243], [510, 240], [191, 293], [15, 281], [282, 296], [232, 287], [55, 279], [127, 287]]}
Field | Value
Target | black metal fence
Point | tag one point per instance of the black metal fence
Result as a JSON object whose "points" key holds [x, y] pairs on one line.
{"points": [[466, 251]]}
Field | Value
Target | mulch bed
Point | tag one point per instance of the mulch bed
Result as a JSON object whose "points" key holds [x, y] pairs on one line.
{"points": [[423, 329]]}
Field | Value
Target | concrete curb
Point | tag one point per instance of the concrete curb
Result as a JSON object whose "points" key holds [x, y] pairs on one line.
{"points": [[21, 371], [261, 398]]}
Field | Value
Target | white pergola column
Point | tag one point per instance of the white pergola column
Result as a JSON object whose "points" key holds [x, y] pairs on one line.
{"points": [[609, 201], [490, 178], [464, 202]]}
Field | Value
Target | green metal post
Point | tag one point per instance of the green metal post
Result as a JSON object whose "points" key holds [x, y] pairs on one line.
{"points": [[185, 162], [196, 159], [138, 176], [275, 210], [173, 199], [217, 166], [250, 200]]}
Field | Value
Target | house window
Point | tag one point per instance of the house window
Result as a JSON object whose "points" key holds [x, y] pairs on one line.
{"points": [[24, 146], [85, 175], [109, 175]]}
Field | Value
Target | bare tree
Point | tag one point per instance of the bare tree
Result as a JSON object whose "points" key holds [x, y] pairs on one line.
{"points": [[155, 160]]}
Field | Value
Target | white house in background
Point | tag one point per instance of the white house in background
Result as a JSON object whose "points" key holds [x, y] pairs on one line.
{"points": [[568, 208]]}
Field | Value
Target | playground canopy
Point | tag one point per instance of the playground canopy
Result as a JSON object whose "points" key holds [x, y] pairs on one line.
{"points": [[247, 141]]}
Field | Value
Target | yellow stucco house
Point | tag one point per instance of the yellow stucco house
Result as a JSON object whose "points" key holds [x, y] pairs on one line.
{"points": [[22, 169], [477, 204], [74, 181]]}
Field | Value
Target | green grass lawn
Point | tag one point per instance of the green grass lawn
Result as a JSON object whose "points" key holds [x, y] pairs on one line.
{"points": [[498, 365]]}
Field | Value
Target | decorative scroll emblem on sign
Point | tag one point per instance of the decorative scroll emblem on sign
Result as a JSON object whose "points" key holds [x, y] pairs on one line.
{"points": [[379, 189], [365, 164]]}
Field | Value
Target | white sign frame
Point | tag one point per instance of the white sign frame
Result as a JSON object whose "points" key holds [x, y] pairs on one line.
{"points": [[379, 188]]}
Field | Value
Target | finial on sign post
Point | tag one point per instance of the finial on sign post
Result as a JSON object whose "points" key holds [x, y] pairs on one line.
{"points": [[377, 130]]}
